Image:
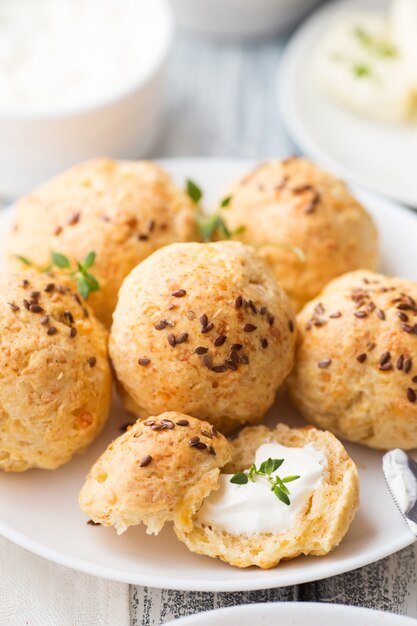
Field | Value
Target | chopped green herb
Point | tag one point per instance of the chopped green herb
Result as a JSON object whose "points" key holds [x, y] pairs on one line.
{"points": [[194, 191], [378, 47], [361, 70], [266, 469]]}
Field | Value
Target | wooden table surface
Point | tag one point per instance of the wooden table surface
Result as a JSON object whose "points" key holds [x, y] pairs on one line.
{"points": [[221, 101]]}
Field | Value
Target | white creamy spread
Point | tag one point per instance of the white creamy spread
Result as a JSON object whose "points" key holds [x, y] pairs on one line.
{"points": [[367, 61], [253, 507], [401, 481], [57, 54], [403, 25]]}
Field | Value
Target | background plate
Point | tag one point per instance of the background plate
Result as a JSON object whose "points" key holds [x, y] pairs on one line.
{"points": [[39, 509], [381, 157], [294, 614]]}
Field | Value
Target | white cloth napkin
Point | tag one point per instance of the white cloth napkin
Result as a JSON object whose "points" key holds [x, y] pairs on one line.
{"points": [[36, 592]]}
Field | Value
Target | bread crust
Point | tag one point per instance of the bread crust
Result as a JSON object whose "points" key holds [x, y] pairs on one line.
{"points": [[55, 380], [122, 210], [153, 473], [216, 332], [354, 372], [293, 206]]}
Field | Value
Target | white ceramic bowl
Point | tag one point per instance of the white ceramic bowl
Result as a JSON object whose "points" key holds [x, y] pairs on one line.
{"points": [[239, 18], [35, 146]]}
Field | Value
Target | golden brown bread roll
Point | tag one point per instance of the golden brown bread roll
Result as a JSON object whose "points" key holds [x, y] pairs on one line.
{"points": [[304, 222], [356, 363], [122, 210], [160, 470], [55, 381], [203, 329]]}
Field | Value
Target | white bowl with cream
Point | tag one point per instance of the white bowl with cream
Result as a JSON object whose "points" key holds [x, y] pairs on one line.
{"points": [[78, 79], [239, 18]]}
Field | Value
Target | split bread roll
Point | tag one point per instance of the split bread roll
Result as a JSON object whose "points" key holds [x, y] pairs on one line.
{"points": [[121, 210], [165, 468], [160, 470], [320, 526], [55, 379], [203, 329], [356, 363], [305, 224]]}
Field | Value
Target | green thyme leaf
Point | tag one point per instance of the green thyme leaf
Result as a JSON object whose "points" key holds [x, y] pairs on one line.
{"points": [[289, 479], [92, 282], [239, 230], [83, 288], [86, 284], [240, 478], [24, 260], [270, 466], [225, 202], [206, 225], [89, 260], [252, 471], [280, 484], [223, 229], [60, 260], [267, 467], [281, 495], [194, 191]]}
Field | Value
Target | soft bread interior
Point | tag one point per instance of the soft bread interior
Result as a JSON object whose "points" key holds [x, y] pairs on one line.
{"points": [[321, 525]]}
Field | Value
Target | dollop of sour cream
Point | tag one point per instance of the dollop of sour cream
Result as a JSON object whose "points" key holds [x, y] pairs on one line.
{"points": [[401, 481], [253, 507], [366, 61], [56, 54]]}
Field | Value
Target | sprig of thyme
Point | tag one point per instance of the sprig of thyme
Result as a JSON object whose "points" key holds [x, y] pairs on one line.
{"points": [[266, 469], [210, 226], [86, 282]]}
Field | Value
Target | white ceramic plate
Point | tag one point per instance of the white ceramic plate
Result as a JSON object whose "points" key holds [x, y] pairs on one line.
{"points": [[293, 614], [381, 157], [39, 509], [239, 19]]}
